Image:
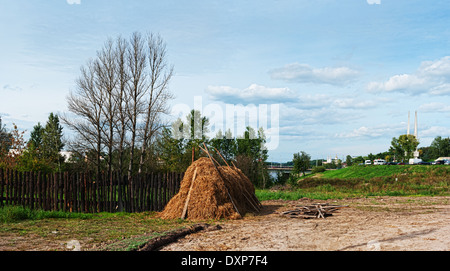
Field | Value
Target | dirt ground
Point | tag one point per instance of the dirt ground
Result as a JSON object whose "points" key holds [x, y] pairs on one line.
{"points": [[368, 224], [373, 224]]}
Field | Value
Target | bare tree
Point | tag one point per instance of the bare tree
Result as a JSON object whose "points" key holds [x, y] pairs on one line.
{"points": [[86, 102], [137, 89], [158, 95], [119, 101], [106, 80]]}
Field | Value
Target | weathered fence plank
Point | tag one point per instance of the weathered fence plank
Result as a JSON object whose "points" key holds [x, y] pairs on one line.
{"points": [[82, 192]]}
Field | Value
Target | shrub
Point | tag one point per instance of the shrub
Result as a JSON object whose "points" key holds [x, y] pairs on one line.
{"points": [[11, 214], [318, 169]]}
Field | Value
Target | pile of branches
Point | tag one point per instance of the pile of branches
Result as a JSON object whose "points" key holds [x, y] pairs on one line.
{"points": [[316, 210]]}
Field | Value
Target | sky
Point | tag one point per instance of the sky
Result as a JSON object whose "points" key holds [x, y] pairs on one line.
{"points": [[342, 74]]}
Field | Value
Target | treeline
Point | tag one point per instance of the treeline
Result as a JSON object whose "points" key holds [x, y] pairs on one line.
{"points": [[40, 153], [402, 148]]}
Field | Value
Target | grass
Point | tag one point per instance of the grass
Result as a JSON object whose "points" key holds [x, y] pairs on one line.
{"points": [[12, 214], [104, 231], [367, 181], [368, 172]]}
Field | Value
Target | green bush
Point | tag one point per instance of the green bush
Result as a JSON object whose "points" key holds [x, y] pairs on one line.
{"points": [[12, 214], [318, 169]]}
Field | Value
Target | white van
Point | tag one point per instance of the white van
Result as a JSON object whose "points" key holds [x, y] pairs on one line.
{"points": [[414, 161], [379, 162], [368, 162]]}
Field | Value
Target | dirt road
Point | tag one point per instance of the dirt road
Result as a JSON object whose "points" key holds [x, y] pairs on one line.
{"points": [[384, 223]]}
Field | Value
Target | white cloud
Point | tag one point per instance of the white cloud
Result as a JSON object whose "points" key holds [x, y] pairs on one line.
{"points": [[352, 103], [304, 73], [71, 2], [371, 2], [403, 82], [431, 77], [441, 89], [439, 67], [435, 107], [256, 94], [435, 131], [372, 132]]}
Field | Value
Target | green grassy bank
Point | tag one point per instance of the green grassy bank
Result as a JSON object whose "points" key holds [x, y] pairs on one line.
{"points": [[366, 181]]}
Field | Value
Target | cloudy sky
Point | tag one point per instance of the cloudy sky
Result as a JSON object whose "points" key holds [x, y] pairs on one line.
{"points": [[344, 73]]}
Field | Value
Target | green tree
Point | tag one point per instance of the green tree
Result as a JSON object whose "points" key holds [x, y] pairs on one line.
{"points": [[251, 155], [301, 162], [358, 160], [5, 140], [179, 145], [13, 148], [440, 147], [349, 160], [171, 151], [52, 142], [36, 137], [404, 146], [225, 144], [195, 129]]}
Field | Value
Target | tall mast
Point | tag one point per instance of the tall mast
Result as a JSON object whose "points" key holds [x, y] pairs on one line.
{"points": [[409, 121], [416, 134]]}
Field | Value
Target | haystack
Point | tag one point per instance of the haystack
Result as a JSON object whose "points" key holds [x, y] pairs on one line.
{"points": [[209, 191]]}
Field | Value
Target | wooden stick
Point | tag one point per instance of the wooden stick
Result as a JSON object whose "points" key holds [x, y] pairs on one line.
{"points": [[253, 196], [244, 189], [222, 157], [220, 175], [183, 215]]}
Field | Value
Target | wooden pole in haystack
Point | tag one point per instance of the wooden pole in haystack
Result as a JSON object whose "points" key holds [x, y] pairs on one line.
{"points": [[183, 215], [252, 196], [220, 175], [257, 208], [222, 157]]}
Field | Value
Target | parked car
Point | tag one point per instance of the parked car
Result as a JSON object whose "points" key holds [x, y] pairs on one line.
{"points": [[368, 162], [439, 162], [391, 163], [447, 162], [379, 162], [423, 163]]}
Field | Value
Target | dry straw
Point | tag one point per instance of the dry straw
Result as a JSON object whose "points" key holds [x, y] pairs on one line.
{"points": [[215, 192]]}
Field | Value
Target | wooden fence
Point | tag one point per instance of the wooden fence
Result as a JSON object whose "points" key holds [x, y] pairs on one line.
{"points": [[81, 192]]}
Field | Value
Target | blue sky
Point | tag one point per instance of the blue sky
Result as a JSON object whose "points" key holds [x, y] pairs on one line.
{"points": [[345, 73]]}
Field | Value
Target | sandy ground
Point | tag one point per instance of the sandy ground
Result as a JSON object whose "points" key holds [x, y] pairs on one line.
{"points": [[384, 223], [374, 224]]}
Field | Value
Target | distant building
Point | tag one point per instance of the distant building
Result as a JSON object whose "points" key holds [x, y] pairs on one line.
{"points": [[330, 160]]}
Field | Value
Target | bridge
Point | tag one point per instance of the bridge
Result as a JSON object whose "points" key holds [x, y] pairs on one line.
{"points": [[274, 168], [283, 169]]}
